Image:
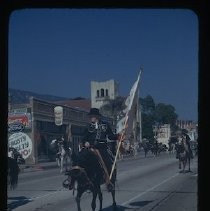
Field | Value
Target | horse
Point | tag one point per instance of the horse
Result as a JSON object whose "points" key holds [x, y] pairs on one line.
{"points": [[126, 150], [63, 155], [147, 147], [172, 149], [183, 154], [88, 174], [14, 158], [158, 148], [155, 149], [16, 155]]}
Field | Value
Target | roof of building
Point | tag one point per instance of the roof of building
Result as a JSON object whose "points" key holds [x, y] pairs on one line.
{"points": [[82, 104]]}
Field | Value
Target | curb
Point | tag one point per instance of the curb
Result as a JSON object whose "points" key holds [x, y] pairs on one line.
{"points": [[44, 166], [37, 167]]}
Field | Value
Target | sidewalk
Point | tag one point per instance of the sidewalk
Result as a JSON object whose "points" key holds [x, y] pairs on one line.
{"points": [[38, 167], [53, 164]]}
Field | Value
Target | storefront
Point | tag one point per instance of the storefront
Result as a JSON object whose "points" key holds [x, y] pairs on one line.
{"points": [[31, 128]]}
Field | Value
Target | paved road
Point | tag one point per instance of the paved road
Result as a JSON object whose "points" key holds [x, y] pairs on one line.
{"points": [[152, 183]]}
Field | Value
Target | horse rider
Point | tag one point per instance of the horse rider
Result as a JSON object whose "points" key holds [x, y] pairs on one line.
{"points": [[62, 141], [187, 141], [16, 155], [184, 137], [95, 138]]}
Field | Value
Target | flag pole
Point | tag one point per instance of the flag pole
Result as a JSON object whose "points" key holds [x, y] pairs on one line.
{"points": [[123, 131], [118, 147]]}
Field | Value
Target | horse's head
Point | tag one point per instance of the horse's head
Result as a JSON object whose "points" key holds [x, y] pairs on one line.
{"points": [[20, 159], [77, 174], [180, 147]]}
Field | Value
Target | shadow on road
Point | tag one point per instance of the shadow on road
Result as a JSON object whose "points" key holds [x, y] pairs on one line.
{"points": [[118, 208], [137, 204], [17, 201], [140, 203]]}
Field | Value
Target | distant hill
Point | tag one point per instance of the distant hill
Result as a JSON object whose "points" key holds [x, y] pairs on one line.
{"points": [[20, 96]]}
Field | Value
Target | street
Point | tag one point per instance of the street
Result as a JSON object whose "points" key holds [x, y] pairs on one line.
{"points": [[151, 183]]}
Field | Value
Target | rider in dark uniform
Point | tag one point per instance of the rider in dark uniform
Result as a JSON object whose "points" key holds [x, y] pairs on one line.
{"points": [[95, 136]]}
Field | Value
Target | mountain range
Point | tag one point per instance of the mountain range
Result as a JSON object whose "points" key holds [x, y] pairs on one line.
{"points": [[21, 97]]}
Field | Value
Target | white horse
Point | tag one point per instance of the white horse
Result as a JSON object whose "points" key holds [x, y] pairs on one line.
{"points": [[172, 149], [63, 155]]}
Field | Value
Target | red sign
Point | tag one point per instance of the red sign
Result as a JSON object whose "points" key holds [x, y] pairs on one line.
{"points": [[23, 119]]}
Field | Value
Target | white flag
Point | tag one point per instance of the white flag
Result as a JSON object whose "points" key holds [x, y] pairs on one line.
{"points": [[120, 125], [129, 100], [124, 121]]}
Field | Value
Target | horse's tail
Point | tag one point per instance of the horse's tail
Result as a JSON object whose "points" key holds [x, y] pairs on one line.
{"points": [[13, 171]]}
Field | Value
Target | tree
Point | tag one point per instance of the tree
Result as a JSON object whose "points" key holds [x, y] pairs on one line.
{"points": [[165, 114], [147, 122], [160, 114], [148, 109], [151, 113], [147, 104], [113, 107]]}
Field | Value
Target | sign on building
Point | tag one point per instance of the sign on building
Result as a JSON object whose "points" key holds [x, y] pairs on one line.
{"points": [[22, 142]]}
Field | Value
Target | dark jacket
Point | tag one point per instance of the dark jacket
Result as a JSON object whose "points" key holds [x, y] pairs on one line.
{"points": [[98, 135]]}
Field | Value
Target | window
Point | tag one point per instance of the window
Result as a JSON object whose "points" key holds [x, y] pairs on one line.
{"points": [[97, 93], [102, 92], [107, 94]]}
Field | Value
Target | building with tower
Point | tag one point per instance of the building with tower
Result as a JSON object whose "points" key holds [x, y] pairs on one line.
{"points": [[102, 92]]}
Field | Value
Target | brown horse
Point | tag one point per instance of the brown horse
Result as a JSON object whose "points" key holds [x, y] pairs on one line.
{"points": [[88, 175]]}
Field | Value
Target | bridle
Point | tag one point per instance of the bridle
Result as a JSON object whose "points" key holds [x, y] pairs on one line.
{"points": [[81, 176]]}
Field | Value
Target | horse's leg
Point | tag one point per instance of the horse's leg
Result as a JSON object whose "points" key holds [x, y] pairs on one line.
{"points": [[180, 163], [58, 161], [113, 180], [184, 164], [100, 196], [13, 174], [93, 203], [79, 194], [61, 164], [66, 161], [114, 205], [189, 163]]}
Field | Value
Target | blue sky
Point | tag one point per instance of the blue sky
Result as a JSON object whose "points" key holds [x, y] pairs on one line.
{"points": [[59, 52]]}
